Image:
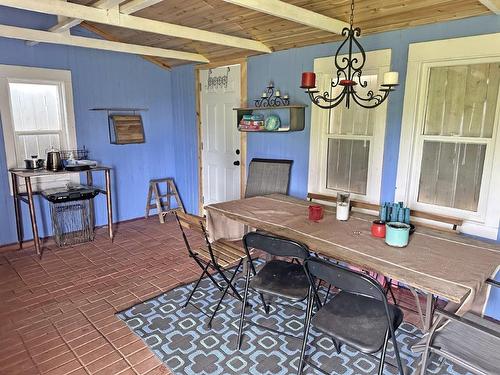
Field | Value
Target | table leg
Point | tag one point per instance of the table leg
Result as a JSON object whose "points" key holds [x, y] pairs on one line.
{"points": [[34, 226], [426, 319], [17, 209], [429, 311], [108, 203], [90, 182]]}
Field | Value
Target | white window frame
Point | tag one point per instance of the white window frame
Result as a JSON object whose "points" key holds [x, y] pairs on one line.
{"points": [[421, 58], [60, 78], [377, 62]]}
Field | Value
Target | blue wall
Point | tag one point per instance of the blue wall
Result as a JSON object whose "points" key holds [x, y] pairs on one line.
{"points": [[100, 79], [285, 68]]}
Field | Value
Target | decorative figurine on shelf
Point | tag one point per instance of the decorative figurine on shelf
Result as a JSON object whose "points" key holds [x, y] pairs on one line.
{"points": [[272, 98]]}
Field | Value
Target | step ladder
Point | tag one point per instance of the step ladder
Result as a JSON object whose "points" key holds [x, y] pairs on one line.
{"points": [[162, 202]]}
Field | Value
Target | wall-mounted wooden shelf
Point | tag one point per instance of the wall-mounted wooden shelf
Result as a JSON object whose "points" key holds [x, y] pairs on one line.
{"points": [[292, 117]]}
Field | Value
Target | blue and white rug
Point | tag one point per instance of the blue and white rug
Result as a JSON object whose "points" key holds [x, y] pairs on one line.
{"points": [[181, 339]]}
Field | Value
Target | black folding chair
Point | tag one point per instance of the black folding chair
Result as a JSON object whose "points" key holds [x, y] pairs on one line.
{"points": [[278, 278], [471, 341], [358, 315], [219, 256], [267, 176]]}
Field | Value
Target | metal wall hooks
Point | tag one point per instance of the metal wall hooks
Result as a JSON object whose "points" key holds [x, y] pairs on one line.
{"points": [[218, 82]]}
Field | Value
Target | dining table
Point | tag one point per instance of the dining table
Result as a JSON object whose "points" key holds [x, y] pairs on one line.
{"points": [[436, 263]]}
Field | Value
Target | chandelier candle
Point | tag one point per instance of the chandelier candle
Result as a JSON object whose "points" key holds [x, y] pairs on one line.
{"points": [[308, 80], [391, 78]]}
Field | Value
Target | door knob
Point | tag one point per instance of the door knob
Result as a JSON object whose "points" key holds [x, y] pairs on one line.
{"points": [[236, 162], [237, 151]]}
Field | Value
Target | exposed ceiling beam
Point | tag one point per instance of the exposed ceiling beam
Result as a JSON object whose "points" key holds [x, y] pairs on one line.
{"points": [[78, 41], [68, 23], [64, 23], [493, 5], [114, 18], [137, 5], [98, 31], [294, 13]]}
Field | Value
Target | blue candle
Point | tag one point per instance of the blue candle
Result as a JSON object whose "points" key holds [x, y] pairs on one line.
{"points": [[394, 212], [383, 213], [401, 215], [407, 215]]}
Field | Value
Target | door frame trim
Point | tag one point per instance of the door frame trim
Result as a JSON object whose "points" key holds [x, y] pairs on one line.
{"points": [[243, 135]]}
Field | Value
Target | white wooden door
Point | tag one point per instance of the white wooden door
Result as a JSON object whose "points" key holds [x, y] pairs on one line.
{"points": [[219, 134]]}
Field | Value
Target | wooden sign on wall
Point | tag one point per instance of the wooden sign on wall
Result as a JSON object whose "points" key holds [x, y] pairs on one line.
{"points": [[125, 129]]}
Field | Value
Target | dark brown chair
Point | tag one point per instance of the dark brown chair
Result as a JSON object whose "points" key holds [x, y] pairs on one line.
{"points": [[268, 176], [278, 278], [358, 315]]}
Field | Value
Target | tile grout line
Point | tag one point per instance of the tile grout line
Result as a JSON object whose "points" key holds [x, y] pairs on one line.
{"points": [[28, 351], [71, 349], [108, 341]]}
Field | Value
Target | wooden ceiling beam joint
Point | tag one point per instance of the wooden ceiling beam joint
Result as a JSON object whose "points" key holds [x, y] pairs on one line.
{"points": [[493, 5], [293, 13], [106, 17]]}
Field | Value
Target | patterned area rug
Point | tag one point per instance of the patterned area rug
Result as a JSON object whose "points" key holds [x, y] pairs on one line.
{"points": [[181, 339]]}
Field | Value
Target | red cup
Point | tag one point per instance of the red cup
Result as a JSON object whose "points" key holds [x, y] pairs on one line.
{"points": [[315, 212], [378, 229]]}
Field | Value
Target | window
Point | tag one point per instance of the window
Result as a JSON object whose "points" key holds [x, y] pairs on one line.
{"points": [[347, 144], [449, 133], [36, 118], [37, 114]]}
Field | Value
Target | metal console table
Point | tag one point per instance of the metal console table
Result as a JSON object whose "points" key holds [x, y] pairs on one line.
{"points": [[27, 197]]}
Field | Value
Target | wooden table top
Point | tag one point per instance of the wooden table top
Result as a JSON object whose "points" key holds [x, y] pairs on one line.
{"points": [[449, 265]]}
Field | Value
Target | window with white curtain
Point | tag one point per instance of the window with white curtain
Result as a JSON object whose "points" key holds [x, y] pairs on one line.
{"points": [[36, 107], [449, 146], [347, 144]]}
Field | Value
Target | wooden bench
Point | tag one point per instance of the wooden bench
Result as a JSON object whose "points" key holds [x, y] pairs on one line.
{"points": [[453, 221]]}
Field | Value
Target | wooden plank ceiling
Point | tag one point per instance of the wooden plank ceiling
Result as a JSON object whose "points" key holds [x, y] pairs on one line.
{"points": [[372, 16]]}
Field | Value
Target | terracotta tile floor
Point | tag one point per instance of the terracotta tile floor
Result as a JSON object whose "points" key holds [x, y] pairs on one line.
{"points": [[57, 314]]}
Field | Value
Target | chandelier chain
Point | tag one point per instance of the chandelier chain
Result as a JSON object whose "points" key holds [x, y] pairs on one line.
{"points": [[351, 20]]}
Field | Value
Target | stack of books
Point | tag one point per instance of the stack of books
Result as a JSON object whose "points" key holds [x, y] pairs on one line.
{"points": [[252, 123]]}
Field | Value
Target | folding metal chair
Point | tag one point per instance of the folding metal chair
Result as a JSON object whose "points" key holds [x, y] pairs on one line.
{"points": [[470, 341], [220, 256], [267, 176], [358, 315], [277, 278]]}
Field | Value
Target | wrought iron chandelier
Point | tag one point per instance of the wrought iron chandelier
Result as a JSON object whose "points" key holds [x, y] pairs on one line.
{"points": [[348, 76]]}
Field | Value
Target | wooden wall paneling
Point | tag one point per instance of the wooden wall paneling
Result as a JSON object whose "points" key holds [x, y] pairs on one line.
{"points": [[198, 125], [243, 135]]}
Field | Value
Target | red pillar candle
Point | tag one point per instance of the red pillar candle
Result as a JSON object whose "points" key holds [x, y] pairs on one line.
{"points": [[308, 80]]}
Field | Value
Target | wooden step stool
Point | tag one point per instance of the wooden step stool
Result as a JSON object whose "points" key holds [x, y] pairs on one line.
{"points": [[162, 202]]}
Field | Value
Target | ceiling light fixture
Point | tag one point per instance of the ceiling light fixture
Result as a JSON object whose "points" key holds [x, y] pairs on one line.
{"points": [[348, 76]]}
